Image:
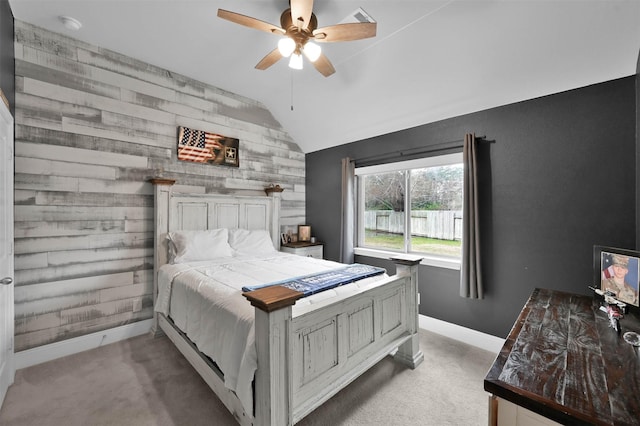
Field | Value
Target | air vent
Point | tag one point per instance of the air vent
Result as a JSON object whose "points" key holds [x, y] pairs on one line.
{"points": [[357, 16]]}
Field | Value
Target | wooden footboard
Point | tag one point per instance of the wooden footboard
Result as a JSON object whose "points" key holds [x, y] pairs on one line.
{"points": [[305, 359]]}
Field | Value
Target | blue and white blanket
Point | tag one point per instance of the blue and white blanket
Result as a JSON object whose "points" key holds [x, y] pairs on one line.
{"points": [[315, 283]]}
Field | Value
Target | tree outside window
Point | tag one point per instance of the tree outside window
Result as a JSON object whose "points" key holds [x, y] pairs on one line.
{"points": [[433, 219]]}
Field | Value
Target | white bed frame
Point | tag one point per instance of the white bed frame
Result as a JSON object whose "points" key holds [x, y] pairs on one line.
{"points": [[305, 354]]}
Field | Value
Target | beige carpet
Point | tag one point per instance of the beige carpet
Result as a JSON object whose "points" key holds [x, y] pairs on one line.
{"points": [[144, 381]]}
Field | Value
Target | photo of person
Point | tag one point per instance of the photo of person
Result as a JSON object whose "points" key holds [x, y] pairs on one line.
{"points": [[620, 276], [304, 233]]}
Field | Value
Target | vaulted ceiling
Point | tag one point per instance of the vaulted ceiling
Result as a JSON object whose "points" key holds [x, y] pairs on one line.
{"points": [[430, 60]]}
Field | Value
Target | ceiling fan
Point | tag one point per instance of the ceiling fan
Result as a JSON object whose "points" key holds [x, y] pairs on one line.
{"points": [[299, 28]]}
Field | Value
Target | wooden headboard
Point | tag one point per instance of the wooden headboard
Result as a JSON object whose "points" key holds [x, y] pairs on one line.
{"points": [[176, 211], [189, 211]]}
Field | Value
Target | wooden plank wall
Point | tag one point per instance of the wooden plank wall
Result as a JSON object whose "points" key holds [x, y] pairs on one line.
{"points": [[91, 127]]}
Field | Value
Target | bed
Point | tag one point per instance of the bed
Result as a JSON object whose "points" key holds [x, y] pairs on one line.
{"points": [[305, 349]]}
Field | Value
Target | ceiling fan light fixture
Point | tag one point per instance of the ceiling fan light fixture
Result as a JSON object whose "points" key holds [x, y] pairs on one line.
{"points": [[299, 25], [296, 61], [312, 51], [286, 46]]}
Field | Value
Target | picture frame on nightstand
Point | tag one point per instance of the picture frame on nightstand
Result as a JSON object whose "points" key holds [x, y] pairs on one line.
{"points": [[304, 233]]}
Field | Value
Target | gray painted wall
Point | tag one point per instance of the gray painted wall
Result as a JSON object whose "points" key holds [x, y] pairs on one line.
{"points": [[92, 126], [558, 177]]}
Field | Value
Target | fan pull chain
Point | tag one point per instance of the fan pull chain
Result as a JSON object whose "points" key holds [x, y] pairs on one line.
{"points": [[291, 73]]}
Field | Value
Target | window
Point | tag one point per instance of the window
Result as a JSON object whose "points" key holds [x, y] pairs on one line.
{"points": [[426, 219]]}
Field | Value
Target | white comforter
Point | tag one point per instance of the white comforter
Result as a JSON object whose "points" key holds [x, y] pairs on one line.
{"points": [[204, 299]]}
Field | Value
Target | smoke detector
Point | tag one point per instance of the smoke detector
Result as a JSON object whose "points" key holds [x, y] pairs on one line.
{"points": [[70, 23]]}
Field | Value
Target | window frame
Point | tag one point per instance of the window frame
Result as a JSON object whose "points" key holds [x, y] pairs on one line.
{"points": [[407, 166]]}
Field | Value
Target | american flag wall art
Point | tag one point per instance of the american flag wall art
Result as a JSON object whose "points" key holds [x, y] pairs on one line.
{"points": [[205, 147]]}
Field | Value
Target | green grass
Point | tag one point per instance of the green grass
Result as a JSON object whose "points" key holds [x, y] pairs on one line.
{"points": [[418, 244]]}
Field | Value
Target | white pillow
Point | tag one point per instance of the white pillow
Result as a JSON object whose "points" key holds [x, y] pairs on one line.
{"points": [[192, 246], [255, 241]]}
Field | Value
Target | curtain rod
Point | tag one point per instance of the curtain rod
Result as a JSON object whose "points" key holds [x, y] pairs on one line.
{"points": [[442, 146]]}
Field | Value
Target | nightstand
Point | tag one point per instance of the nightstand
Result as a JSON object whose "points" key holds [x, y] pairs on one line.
{"points": [[304, 249]]}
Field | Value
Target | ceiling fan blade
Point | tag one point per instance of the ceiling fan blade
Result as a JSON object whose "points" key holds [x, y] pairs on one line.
{"points": [[324, 66], [345, 32], [250, 22], [301, 13], [271, 58]]}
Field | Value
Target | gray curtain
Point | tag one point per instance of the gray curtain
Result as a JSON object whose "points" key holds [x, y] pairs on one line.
{"points": [[348, 218], [471, 270]]}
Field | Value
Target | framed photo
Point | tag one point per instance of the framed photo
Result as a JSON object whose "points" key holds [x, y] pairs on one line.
{"points": [[617, 270], [304, 233], [284, 239]]}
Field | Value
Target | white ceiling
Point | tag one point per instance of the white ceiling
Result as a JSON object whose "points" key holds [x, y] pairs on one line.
{"points": [[430, 60]]}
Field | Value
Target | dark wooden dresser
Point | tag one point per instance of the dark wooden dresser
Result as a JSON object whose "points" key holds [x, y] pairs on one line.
{"points": [[562, 361]]}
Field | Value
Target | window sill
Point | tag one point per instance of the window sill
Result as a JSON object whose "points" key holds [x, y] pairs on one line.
{"points": [[428, 260]]}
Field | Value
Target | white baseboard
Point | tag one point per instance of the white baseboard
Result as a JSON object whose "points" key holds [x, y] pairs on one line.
{"points": [[472, 337], [67, 347]]}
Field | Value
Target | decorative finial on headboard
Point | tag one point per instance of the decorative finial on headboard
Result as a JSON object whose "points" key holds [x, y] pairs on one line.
{"points": [[273, 188]]}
